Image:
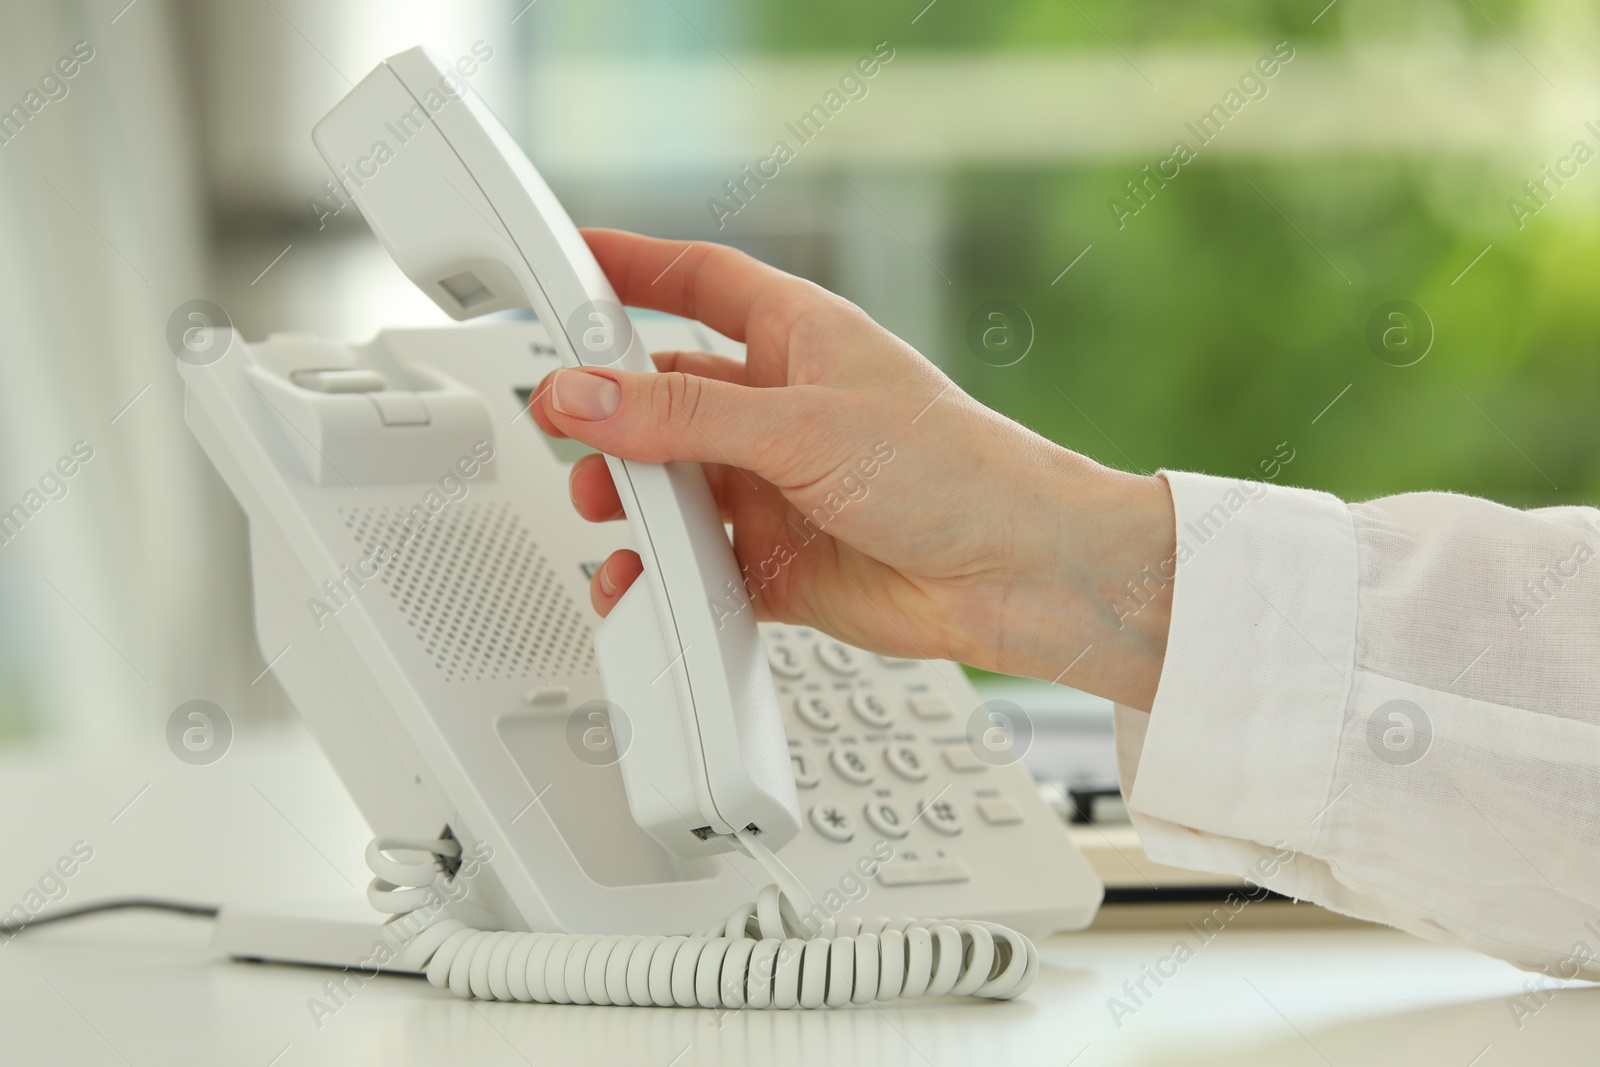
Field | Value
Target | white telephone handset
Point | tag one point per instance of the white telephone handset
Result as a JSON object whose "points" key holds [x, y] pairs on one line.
{"points": [[464, 213], [418, 578]]}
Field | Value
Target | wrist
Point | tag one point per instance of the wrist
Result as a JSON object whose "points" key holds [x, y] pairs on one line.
{"points": [[1132, 579], [1088, 599]]}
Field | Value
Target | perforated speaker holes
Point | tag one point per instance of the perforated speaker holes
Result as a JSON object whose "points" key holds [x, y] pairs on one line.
{"points": [[474, 586]]}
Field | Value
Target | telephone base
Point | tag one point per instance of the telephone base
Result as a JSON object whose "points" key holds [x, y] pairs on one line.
{"points": [[344, 933]]}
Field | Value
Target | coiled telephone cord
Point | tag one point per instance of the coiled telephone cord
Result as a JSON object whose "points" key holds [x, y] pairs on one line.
{"points": [[761, 957]]}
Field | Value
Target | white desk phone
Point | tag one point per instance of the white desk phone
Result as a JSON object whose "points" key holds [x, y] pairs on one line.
{"points": [[551, 793]]}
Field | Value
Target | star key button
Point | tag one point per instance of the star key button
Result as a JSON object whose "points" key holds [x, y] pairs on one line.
{"points": [[833, 822]]}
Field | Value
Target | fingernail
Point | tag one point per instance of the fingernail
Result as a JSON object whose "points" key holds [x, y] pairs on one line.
{"points": [[607, 586], [584, 396]]}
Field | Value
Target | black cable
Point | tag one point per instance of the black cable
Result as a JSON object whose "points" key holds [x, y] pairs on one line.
{"points": [[207, 911], [1186, 894]]}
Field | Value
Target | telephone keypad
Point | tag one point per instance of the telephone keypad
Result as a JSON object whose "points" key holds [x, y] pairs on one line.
{"points": [[852, 765], [942, 815], [871, 709], [888, 818], [833, 822], [998, 812], [963, 760], [839, 658], [880, 752], [909, 761], [924, 872], [818, 712], [931, 707], [806, 775], [783, 661]]}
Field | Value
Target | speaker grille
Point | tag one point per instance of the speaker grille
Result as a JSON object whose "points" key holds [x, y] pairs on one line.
{"points": [[480, 595]]}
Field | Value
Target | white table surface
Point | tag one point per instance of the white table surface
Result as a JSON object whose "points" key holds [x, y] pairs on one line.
{"points": [[269, 819]]}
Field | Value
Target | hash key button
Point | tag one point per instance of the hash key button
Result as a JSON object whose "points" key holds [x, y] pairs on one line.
{"points": [[943, 817], [833, 822]]}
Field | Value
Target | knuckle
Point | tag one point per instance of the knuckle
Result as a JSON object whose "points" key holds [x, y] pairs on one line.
{"points": [[804, 418], [678, 398], [796, 450]]}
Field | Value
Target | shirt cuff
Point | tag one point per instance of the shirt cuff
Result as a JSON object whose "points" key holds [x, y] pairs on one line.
{"points": [[1243, 736]]}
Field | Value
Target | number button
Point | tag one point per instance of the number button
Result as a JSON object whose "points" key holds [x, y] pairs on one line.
{"points": [[852, 765], [871, 709], [838, 658], [943, 817], [817, 712], [806, 775], [784, 662], [833, 822], [908, 761], [886, 817]]}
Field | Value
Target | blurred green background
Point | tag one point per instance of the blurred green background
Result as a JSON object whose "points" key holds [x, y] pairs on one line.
{"points": [[1207, 337], [1212, 328]]}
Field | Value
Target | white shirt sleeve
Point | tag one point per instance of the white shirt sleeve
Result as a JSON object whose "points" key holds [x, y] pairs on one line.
{"points": [[1391, 709]]}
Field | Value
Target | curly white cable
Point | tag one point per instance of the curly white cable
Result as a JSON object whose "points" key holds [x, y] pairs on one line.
{"points": [[753, 960]]}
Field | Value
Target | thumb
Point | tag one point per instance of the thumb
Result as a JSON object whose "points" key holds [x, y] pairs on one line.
{"points": [[660, 417]]}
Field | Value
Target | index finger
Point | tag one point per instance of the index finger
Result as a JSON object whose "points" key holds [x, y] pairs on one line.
{"points": [[711, 283]]}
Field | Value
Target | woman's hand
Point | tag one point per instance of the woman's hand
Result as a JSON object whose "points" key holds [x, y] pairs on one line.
{"points": [[869, 496]]}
